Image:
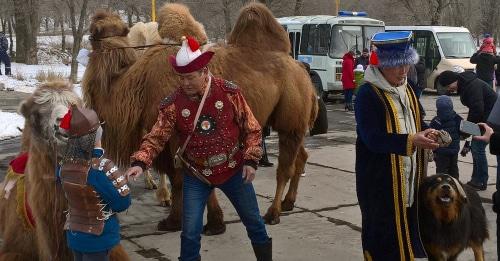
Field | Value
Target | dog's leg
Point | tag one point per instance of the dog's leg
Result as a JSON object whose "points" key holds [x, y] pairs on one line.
{"points": [[478, 252]]}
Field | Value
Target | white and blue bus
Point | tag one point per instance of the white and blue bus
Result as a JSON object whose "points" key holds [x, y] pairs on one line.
{"points": [[322, 40]]}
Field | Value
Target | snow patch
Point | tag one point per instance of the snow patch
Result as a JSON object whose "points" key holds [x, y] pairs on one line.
{"points": [[10, 124]]}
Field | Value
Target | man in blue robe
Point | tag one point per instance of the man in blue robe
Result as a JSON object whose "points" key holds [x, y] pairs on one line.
{"points": [[389, 152]]}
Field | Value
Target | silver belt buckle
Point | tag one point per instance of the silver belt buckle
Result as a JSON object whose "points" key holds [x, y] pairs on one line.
{"points": [[216, 159]]}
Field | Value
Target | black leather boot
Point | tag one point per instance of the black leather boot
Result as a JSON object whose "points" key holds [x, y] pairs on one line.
{"points": [[264, 252]]}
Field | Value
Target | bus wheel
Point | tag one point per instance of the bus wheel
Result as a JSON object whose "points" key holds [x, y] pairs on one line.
{"points": [[441, 90]]}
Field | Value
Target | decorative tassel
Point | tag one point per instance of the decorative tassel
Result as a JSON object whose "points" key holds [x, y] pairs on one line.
{"points": [[373, 58], [66, 120], [193, 44]]}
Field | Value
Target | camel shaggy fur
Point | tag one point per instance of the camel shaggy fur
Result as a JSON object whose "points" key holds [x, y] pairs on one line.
{"points": [[42, 111], [272, 82], [143, 34]]}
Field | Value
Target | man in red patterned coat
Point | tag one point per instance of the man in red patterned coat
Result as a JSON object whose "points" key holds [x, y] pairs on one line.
{"points": [[220, 148]]}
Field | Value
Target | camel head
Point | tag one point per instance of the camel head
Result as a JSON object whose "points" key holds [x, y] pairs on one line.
{"points": [[105, 24], [44, 110], [175, 21]]}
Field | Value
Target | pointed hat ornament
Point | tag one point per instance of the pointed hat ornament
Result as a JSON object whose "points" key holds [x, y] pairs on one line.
{"points": [[189, 58]]}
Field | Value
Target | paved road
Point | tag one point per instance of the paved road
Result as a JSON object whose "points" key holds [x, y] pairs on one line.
{"points": [[325, 225]]}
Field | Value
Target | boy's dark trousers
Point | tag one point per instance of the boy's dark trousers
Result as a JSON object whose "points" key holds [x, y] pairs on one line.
{"points": [[97, 256], [447, 164], [4, 58]]}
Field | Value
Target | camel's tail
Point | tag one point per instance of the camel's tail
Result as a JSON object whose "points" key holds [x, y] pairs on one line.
{"points": [[257, 28]]}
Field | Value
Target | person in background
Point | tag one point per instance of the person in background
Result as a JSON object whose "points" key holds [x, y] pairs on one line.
{"points": [[4, 56], [348, 83], [493, 138], [420, 68], [479, 97], [497, 76], [446, 158], [364, 59], [485, 59]]}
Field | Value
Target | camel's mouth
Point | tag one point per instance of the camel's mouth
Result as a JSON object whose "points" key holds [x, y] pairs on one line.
{"points": [[60, 136]]}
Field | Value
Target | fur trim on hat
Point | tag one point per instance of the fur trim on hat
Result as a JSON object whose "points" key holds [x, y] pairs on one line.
{"points": [[395, 58]]}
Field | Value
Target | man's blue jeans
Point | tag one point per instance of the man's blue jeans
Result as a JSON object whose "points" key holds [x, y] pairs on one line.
{"points": [[479, 163], [195, 196]]}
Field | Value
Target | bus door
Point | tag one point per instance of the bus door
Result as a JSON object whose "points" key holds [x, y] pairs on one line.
{"points": [[294, 37], [314, 46]]}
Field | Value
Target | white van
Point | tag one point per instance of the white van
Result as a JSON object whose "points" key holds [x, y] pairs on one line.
{"points": [[442, 48]]}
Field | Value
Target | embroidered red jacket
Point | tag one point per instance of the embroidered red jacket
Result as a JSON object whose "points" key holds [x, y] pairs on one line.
{"points": [[225, 125]]}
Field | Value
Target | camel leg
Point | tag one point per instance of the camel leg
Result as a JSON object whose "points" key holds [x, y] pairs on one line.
{"points": [[149, 182], [478, 252], [288, 148], [291, 196], [215, 218], [163, 193], [173, 221]]}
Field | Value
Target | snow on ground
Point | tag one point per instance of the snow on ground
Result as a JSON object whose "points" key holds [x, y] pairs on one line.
{"points": [[23, 77], [10, 122]]}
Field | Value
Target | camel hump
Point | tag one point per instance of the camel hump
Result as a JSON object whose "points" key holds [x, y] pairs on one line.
{"points": [[167, 101], [230, 87], [257, 28]]}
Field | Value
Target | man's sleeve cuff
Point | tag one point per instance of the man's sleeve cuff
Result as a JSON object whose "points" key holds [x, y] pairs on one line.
{"points": [[140, 164], [409, 145]]}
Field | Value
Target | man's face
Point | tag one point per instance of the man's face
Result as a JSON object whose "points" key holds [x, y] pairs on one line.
{"points": [[396, 75], [365, 54], [192, 83], [453, 87]]}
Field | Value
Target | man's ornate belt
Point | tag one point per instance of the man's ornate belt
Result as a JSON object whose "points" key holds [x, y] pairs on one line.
{"points": [[215, 160]]}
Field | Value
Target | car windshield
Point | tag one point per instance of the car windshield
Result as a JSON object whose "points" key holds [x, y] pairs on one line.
{"points": [[456, 44]]}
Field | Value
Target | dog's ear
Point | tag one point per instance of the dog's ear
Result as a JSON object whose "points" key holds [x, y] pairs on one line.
{"points": [[461, 190]]}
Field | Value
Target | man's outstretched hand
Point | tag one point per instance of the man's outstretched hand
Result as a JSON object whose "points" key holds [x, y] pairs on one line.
{"points": [[133, 172]]}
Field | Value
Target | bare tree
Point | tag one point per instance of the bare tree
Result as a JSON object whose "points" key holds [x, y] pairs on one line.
{"points": [[298, 7], [77, 30], [226, 8], [26, 27]]}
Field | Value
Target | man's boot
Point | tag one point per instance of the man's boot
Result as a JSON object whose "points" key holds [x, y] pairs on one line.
{"points": [[264, 252], [7, 71]]}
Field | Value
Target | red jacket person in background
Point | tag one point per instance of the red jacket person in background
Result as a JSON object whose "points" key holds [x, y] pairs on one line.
{"points": [[219, 148]]}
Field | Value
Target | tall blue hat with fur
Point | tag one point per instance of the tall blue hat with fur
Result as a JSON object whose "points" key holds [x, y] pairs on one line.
{"points": [[394, 48]]}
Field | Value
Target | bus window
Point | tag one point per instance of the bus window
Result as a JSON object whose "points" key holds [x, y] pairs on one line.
{"points": [[343, 38], [369, 32], [291, 37], [315, 39]]}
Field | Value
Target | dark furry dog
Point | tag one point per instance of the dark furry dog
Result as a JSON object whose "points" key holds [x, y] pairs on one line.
{"points": [[451, 218]]}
